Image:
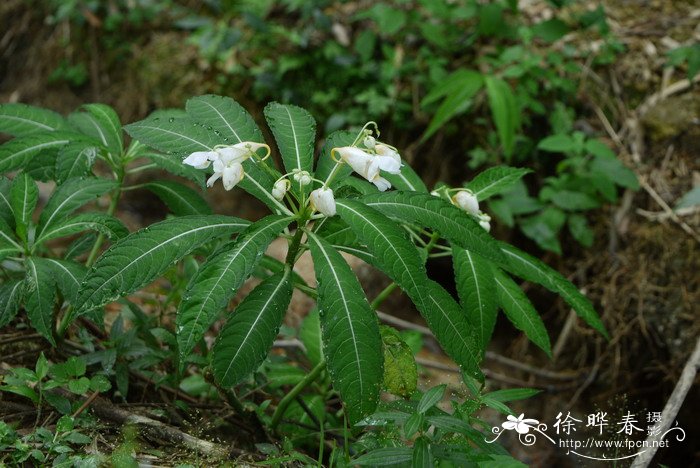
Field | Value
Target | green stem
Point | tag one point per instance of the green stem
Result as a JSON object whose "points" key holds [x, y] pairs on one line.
{"points": [[110, 211], [381, 297], [298, 388]]}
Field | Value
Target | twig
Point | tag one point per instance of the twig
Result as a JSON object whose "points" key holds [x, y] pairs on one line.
{"points": [[657, 198], [87, 403], [21, 337], [664, 215], [673, 405]]}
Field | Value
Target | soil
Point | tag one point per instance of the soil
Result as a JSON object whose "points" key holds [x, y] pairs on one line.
{"points": [[641, 273]]}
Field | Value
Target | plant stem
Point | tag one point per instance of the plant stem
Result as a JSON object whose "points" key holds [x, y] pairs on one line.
{"points": [[298, 388], [381, 297], [110, 211]]}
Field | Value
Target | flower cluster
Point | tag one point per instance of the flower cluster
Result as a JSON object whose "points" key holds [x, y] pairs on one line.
{"points": [[227, 161], [370, 161]]}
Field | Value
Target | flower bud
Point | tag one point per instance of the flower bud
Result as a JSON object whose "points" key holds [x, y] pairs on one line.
{"points": [[322, 201], [484, 221], [280, 189], [369, 142], [466, 200], [303, 177]]}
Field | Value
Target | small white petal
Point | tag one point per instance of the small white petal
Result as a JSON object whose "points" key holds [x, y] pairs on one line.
{"points": [[232, 175], [198, 159], [467, 201], [486, 225], [322, 201], [361, 162], [231, 155], [381, 183], [522, 428], [279, 189], [388, 152], [213, 178]]}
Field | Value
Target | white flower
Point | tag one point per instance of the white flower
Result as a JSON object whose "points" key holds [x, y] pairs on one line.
{"points": [[230, 174], [389, 159], [484, 221], [381, 183], [227, 162], [521, 425], [200, 159], [280, 188], [365, 164], [322, 201], [466, 200], [303, 177]]}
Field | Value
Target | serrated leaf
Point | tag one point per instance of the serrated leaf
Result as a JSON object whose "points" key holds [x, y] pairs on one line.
{"points": [[350, 331], [310, 336], [495, 180], [181, 199], [10, 299], [42, 166], [520, 311], [399, 259], [435, 213], [100, 122], [385, 456], [75, 160], [529, 268], [20, 120], [326, 164], [218, 280], [295, 133], [70, 196], [174, 166], [400, 370], [225, 116], [504, 110], [17, 153], [142, 256], [40, 288], [6, 212], [24, 195], [477, 293], [99, 222], [7, 237], [250, 331], [177, 135], [68, 276], [407, 180]]}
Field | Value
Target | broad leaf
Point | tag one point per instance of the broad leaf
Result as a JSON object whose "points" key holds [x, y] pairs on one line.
{"points": [[531, 269], [99, 222], [310, 336], [495, 180], [439, 215], [16, 153], [142, 256], [75, 160], [520, 311], [175, 166], [250, 331], [6, 212], [350, 331], [40, 286], [176, 134], [477, 293], [10, 300], [504, 110], [407, 180], [100, 122], [462, 87], [70, 196], [181, 199], [68, 277], [21, 119], [225, 116], [7, 236], [295, 133], [218, 280], [24, 196]]}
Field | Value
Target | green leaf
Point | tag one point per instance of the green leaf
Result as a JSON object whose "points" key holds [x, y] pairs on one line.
{"points": [[406, 180], [24, 196], [571, 200], [350, 331], [42, 167], [557, 144], [70, 196], [7, 237], [512, 394], [578, 226], [142, 256], [437, 214], [520, 311], [75, 160], [16, 153], [6, 212], [79, 386], [400, 260], [250, 331], [100, 122], [477, 293], [225, 116], [431, 398], [181, 199], [691, 198], [217, 281], [21, 119], [310, 336], [385, 456], [412, 425], [531, 269], [177, 135], [102, 223], [40, 286], [611, 168], [10, 299], [462, 86], [550, 30], [41, 368], [68, 276], [175, 166], [422, 456], [400, 371], [295, 133], [495, 180], [504, 110]]}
